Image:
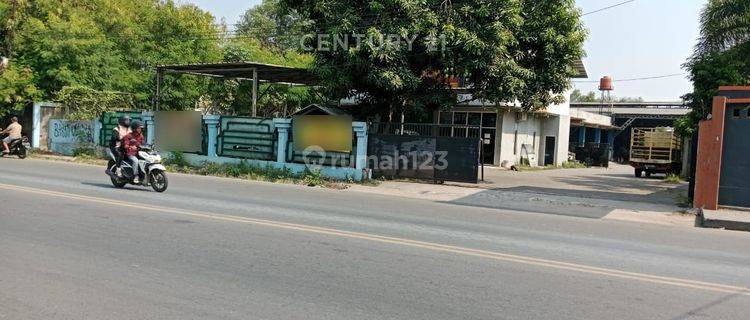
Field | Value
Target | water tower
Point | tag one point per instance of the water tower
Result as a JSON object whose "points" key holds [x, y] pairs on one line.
{"points": [[606, 87]]}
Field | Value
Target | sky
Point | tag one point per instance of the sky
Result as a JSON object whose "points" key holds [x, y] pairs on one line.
{"points": [[643, 38]]}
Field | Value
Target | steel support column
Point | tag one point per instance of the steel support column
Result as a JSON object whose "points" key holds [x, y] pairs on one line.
{"points": [[255, 92]]}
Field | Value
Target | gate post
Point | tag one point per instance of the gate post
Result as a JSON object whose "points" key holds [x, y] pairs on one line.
{"points": [[360, 129], [212, 129], [283, 125], [148, 120]]}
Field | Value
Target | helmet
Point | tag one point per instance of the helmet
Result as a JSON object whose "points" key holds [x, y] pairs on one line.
{"points": [[136, 124], [124, 121]]}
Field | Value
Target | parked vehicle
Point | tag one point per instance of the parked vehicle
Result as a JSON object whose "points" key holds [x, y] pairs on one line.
{"points": [[655, 150], [18, 147], [152, 172]]}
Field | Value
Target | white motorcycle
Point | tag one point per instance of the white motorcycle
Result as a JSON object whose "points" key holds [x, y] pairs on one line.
{"points": [[150, 171]]}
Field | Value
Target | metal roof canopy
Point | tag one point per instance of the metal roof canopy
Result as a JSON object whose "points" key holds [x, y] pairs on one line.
{"points": [[255, 72]]}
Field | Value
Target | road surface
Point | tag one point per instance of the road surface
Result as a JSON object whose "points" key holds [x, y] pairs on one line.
{"points": [[73, 247]]}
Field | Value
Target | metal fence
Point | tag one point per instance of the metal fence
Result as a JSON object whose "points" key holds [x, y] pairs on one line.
{"points": [[424, 157], [246, 137], [425, 129], [109, 123]]}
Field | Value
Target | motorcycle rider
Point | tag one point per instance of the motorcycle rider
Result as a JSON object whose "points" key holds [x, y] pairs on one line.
{"points": [[116, 145], [133, 142], [14, 132]]}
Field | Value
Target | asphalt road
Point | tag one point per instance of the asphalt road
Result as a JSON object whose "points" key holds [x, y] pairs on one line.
{"points": [[72, 247]]}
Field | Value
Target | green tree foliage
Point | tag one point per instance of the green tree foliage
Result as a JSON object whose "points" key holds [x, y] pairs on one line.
{"points": [[112, 45], [507, 50], [578, 96], [84, 103], [231, 96], [16, 88], [720, 59], [273, 28]]}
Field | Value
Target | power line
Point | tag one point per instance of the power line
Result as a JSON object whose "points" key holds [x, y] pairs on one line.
{"points": [[607, 8], [636, 79]]}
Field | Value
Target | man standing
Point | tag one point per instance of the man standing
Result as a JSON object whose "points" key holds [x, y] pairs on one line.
{"points": [[13, 131]]}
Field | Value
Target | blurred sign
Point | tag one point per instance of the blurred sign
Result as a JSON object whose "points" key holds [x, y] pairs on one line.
{"points": [[327, 133], [179, 130]]}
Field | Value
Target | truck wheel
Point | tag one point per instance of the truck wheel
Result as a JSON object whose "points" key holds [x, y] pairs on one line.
{"points": [[638, 173], [648, 174]]}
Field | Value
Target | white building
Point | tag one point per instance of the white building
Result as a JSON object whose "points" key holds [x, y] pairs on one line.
{"points": [[513, 136], [510, 134]]}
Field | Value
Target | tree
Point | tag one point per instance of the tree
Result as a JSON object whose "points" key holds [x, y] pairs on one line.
{"points": [[720, 58], [16, 88], [234, 96], [578, 96], [273, 28], [112, 45], [402, 54]]}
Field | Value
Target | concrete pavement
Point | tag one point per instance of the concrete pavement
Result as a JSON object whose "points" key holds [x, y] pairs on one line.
{"points": [[72, 247], [609, 193]]}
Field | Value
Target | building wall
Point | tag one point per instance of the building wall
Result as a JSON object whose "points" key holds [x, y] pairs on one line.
{"points": [[558, 127], [708, 165], [515, 133]]}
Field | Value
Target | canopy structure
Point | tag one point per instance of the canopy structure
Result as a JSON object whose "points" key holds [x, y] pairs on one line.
{"points": [[252, 71]]}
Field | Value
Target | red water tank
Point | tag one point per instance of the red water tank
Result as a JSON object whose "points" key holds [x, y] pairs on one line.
{"points": [[605, 84]]}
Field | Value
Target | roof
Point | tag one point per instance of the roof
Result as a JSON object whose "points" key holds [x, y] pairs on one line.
{"points": [[244, 70], [644, 104], [580, 69], [656, 110], [316, 109]]}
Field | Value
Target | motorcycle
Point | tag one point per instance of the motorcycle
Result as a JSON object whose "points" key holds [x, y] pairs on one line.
{"points": [[19, 147], [150, 171]]}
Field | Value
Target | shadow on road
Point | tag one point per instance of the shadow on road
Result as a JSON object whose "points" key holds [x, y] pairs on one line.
{"points": [[110, 186]]}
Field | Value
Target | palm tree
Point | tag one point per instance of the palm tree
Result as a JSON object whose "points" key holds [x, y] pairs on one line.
{"points": [[724, 24]]}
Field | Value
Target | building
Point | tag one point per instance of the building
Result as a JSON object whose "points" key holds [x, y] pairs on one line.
{"points": [[514, 136], [722, 175]]}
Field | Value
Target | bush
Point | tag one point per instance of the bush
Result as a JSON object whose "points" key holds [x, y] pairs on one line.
{"points": [[176, 159], [86, 152], [573, 165], [673, 178], [313, 178]]}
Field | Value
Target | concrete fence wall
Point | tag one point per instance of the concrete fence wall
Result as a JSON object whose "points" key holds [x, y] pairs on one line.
{"points": [[62, 136], [283, 127]]}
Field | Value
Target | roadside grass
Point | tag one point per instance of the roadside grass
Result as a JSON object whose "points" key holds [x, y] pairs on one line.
{"points": [[565, 165], [673, 179], [683, 201], [244, 170]]}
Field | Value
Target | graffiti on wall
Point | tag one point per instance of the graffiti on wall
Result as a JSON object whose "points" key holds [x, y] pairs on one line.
{"points": [[65, 136]]}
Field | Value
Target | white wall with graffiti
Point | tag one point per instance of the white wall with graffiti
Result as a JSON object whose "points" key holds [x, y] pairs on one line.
{"points": [[67, 136]]}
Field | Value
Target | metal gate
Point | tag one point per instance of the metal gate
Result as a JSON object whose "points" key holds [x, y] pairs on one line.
{"points": [[424, 157], [734, 184]]}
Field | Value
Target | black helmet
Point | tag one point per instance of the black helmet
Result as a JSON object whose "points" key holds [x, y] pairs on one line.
{"points": [[124, 121], [135, 125]]}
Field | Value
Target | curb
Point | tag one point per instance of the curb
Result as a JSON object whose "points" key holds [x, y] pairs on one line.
{"points": [[701, 221]]}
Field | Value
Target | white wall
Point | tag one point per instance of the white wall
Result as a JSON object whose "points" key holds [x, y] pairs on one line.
{"points": [[558, 127], [529, 132]]}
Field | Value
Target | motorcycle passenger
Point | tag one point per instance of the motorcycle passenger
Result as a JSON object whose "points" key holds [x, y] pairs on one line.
{"points": [[14, 132], [133, 142], [116, 145]]}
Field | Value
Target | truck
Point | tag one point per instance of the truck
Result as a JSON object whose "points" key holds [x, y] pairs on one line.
{"points": [[655, 150]]}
